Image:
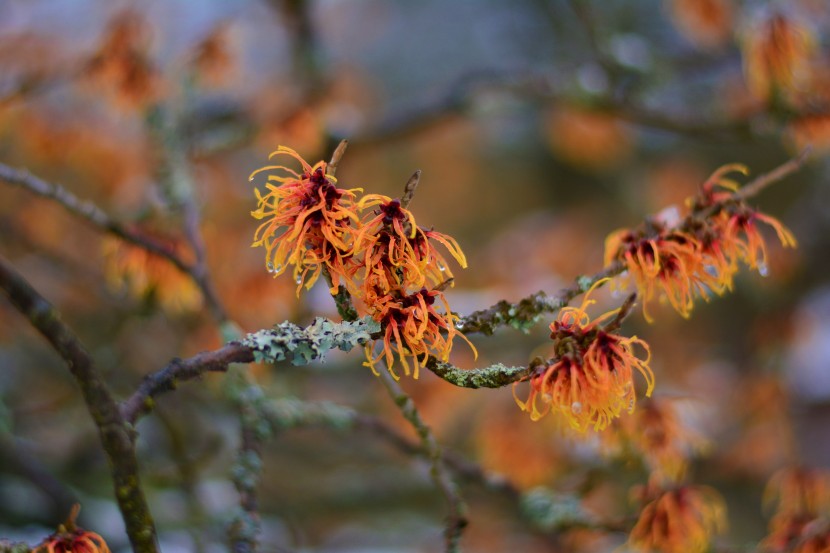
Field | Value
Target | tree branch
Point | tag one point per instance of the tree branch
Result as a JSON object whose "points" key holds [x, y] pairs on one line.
{"points": [[116, 434]]}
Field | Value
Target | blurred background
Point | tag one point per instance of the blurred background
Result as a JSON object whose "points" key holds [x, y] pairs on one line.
{"points": [[540, 126]]}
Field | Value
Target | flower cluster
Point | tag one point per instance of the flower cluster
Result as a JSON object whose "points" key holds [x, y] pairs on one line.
{"points": [[590, 379], [371, 245], [701, 255], [678, 520], [802, 516]]}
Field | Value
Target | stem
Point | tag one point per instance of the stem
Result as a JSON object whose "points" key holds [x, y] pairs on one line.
{"points": [[457, 518]]}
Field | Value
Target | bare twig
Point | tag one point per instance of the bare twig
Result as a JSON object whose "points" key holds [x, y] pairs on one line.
{"points": [[457, 518], [89, 212], [758, 184], [175, 168], [179, 370], [115, 433], [99, 218], [331, 169]]}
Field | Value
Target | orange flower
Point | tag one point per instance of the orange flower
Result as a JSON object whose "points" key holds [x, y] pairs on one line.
{"points": [[731, 234], [71, 539], [413, 328], [801, 491], [659, 434], [121, 66], [700, 256], [777, 50], [400, 252], [680, 520], [146, 274], [76, 541], [590, 381], [662, 263], [707, 23], [316, 221]]}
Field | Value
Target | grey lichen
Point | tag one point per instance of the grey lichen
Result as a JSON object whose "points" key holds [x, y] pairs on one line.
{"points": [[301, 346], [552, 511], [494, 376]]}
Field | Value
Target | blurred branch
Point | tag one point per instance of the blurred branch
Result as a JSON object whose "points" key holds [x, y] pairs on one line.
{"points": [[90, 212], [16, 456], [116, 434], [457, 518], [175, 167], [246, 395]]}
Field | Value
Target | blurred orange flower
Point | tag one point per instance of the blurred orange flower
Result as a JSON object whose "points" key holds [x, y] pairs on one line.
{"points": [[657, 431], [121, 64], [706, 23], [679, 520], [777, 50], [143, 273], [589, 139], [590, 381]]}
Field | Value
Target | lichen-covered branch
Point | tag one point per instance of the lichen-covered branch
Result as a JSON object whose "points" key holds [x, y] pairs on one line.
{"points": [[115, 432], [286, 341], [494, 376], [457, 517]]}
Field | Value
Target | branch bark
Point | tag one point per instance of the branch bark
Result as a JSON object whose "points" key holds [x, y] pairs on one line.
{"points": [[115, 432]]}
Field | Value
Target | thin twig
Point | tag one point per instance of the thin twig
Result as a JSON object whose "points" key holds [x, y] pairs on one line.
{"points": [[622, 314], [331, 169], [174, 167], [759, 183], [457, 518], [89, 212], [115, 433]]}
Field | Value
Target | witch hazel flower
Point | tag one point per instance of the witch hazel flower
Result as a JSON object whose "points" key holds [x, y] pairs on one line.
{"points": [[308, 222], [404, 254], [700, 256], [680, 519], [413, 329], [590, 381]]}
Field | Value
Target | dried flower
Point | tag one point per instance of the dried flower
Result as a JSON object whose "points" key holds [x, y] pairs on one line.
{"points": [[315, 219], [590, 381], [413, 328], [680, 520]]}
